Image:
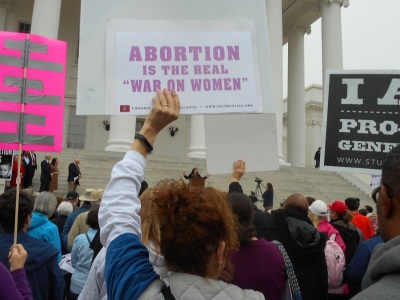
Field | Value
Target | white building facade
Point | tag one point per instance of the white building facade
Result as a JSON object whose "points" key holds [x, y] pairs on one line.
{"points": [[299, 117]]}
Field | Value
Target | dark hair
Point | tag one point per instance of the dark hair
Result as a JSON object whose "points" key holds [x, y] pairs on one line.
{"points": [[193, 222], [5, 162], [92, 218], [270, 187], [243, 208], [363, 211], [143, 186], [369, 208], [310, 200], [7, 209], [53, 161], [192, 173], [352, 203], [391, 171]]}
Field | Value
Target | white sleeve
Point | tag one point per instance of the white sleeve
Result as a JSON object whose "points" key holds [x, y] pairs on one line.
{"points": [[120, 204]]}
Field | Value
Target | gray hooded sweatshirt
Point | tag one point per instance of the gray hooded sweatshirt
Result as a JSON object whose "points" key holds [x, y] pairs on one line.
{"points": [[381, 281]]}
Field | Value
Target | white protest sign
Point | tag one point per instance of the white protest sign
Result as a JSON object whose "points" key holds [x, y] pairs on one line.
{"points": [[243, 22], [212, 71], [251, 137]]}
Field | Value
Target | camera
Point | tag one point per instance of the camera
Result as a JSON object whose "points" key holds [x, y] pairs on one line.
{"points": [[258, 180]]}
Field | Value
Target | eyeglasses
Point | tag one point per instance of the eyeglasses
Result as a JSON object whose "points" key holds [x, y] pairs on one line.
{"points": [[377, 190]]}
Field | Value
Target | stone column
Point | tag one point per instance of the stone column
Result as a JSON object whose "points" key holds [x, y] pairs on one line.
{"points": [[274, 16], [4, 6], [296, 107], [331, 30], [197, 146], [46, 18], [122, 133], [67, 113]]}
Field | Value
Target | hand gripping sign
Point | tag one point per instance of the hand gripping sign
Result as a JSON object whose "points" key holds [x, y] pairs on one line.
{"points": [[32, 82]]}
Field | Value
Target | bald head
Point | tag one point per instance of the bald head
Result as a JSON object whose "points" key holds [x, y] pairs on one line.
{"points": [[297, 202], [77, 161]]}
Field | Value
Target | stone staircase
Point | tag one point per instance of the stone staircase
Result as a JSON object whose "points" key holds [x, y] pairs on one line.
{"points": [[96, 169]]}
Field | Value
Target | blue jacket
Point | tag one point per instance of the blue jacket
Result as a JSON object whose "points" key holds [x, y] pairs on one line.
{"points": [[42, 271], [42, 229], [70, 221], [359, 263], [81, 259]]}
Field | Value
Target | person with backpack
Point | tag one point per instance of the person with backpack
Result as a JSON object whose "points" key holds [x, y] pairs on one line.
{"points": [[341, 217], [335, 250]]}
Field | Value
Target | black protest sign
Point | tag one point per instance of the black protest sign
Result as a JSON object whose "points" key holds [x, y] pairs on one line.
{"points": [[6, 161], [361, 120]]}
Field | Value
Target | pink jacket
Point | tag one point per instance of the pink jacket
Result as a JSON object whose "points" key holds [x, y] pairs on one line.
{"points": [[326, 227]]}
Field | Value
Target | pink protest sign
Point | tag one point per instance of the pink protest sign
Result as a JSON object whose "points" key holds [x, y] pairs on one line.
{"points": [[40, 126]]}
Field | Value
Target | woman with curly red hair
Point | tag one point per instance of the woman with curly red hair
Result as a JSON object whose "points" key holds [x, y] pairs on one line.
{"points": [[197, 227]]}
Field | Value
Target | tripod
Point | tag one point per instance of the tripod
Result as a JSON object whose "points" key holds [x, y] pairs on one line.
{"points": [[258, 191]]}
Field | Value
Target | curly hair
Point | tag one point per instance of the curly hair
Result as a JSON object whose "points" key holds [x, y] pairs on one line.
{"points": [[193, 222], [150, 224]]}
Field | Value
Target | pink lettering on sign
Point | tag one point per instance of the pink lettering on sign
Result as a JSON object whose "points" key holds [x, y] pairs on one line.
{"points": [[40, 126]]}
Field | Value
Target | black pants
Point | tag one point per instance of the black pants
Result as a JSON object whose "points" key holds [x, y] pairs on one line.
{"points": [[44, 185]]}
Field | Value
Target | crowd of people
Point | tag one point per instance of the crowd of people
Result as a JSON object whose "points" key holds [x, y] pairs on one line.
{"points": [[176, 241]]}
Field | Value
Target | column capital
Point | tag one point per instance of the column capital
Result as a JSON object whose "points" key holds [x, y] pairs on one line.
{"points": [[6, 4], [298, 28], [344, 3]]}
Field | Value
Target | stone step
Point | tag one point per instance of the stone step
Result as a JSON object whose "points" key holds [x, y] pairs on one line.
{"points": [[96, 169]]}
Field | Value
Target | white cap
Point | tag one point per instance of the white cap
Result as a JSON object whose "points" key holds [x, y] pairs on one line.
{"points": [[319, 208]]}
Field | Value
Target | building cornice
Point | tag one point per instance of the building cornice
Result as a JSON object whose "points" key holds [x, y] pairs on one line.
{"points": [[7, 5]]}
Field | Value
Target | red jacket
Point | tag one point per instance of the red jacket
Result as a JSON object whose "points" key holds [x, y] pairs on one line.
{"points": [[363, 223]]}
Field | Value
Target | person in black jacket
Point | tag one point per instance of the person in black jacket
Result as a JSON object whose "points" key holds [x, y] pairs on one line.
{"points": [[292, 227], [304, 245], [194, 174], [74, 174], [46, 174]]}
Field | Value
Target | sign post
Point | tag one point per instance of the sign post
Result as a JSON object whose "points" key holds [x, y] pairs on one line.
{"points": [[32, 79]]}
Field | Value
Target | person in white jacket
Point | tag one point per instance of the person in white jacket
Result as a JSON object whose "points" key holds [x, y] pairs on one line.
{"points": [[197, 227]]}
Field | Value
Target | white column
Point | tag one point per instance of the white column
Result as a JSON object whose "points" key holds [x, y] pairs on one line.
{"points": [[296, 108], [46, 18], [122, 133], [331, 31], [197, 146], [67, 113], [274, 16], [4, 6]]}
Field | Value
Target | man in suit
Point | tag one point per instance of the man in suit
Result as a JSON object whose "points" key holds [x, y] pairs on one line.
{"points": [[46, 174], [74, 174], [30, 168]]}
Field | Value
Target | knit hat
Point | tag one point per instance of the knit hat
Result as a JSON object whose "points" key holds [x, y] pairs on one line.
{"points": [[339, 207], [319, 208]]}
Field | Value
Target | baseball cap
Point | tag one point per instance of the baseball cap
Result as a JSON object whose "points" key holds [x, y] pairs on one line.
{"points": [[319, 208], [339, 207], [72, 195]]}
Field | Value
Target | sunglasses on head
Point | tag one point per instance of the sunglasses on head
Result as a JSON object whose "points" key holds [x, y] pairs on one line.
{"points": [[377, 190]]}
